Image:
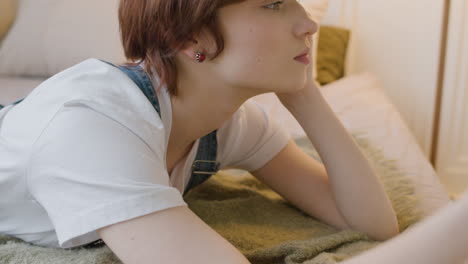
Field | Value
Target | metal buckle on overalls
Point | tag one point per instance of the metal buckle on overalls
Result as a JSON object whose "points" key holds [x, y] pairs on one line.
{"points": [[204, 172]]}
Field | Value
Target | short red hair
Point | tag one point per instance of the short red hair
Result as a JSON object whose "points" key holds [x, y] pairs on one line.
{"points": [[154, 31]]}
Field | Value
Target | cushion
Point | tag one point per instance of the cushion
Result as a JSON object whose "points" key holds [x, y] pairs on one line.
{"points": [[7, 16], [331, 54]]}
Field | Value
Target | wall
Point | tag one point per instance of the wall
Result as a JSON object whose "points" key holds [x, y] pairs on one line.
{"points": [[400, 42], [452, 147]]}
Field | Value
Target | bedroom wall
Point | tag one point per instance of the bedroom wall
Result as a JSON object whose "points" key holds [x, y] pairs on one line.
{"points": [[452, 146], [400, 42]]}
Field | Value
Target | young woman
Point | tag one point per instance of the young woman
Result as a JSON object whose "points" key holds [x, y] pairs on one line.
{"points": [[101, 151]]}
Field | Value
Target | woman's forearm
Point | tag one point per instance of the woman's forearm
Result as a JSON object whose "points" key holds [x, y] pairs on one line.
{"points": [[440, 238], [359, 193]]}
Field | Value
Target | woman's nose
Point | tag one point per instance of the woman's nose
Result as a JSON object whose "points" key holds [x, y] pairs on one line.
{"points": [[312, 25], [309, 28]]}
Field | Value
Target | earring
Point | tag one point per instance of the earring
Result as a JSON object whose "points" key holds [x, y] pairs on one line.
{"points": [[200, 57]]}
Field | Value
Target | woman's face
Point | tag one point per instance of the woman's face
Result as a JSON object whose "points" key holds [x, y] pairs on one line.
{"points": [[262, 37]]}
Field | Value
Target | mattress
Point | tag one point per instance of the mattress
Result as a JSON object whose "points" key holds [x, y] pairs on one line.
{"points": [[361, 105]]}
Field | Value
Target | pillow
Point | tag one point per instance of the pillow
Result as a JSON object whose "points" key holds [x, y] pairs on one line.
{"points": [[7, 16], [317, 10], [331, 53], [49, 36]]}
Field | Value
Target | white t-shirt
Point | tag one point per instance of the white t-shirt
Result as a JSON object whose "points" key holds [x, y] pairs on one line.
{"points": [[86, 149]]}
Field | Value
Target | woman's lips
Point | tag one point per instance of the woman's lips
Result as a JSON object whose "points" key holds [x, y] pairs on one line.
{"points": [[303, 59]]}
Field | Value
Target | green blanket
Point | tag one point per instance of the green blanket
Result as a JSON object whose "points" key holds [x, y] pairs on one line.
{"points": [[256, 220]]}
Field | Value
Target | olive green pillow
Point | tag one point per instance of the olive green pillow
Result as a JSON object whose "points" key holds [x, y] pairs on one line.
{"points": [[7, 16], [331, 54]]}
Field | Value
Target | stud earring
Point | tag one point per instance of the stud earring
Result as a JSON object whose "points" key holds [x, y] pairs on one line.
{"points": [[200, 56]]}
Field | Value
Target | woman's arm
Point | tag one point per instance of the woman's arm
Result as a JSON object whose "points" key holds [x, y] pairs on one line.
{"points": [[440, 238], [359, 194], [175, 235]]}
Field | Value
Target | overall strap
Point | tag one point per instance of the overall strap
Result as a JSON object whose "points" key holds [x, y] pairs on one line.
{"points": [[139, 77], [205, 164]]}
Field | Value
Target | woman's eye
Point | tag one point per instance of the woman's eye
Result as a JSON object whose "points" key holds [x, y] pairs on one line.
{"points": [[275, 4]]}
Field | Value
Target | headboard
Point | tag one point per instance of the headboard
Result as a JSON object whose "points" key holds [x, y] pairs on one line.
{"points": [[399, 41]]}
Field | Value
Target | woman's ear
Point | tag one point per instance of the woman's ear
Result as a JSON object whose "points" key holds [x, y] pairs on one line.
{"points": [[201, 42], [190, 49]]}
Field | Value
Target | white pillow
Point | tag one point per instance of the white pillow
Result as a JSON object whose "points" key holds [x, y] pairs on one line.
{"points": [[49, 36], [52, 35]]}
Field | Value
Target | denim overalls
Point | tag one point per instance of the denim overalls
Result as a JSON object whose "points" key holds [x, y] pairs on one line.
{"points": [[205, 164]]}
